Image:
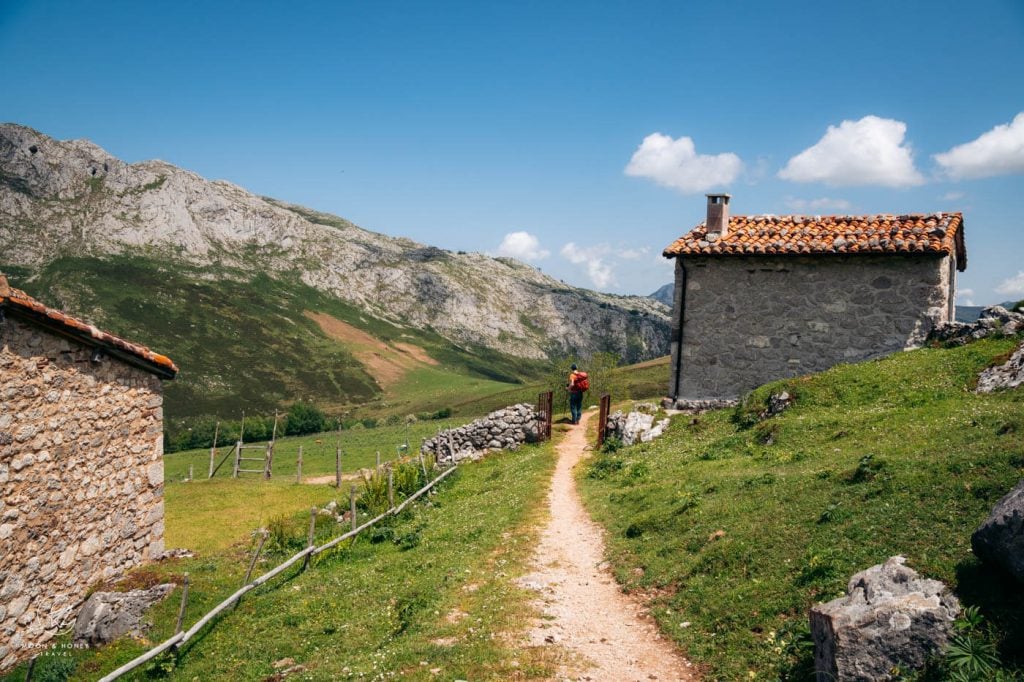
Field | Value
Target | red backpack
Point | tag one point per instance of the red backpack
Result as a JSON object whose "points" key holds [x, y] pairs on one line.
{"points": [[581, 382]]}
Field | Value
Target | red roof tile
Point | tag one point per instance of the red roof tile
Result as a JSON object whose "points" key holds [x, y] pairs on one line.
{"points": [[940, 233], [18, 300]]}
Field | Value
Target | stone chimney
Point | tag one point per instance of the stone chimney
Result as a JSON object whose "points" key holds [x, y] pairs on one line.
{"points": [[718, 216]]}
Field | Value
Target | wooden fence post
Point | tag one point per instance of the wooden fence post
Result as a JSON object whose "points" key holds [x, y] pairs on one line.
{"points": [[238, 453], [184, 603], [213, 448], [378, 462], [337, 468], [255, 556], [352, 504], [391, 488], [423, 465], [298, 467], [602, 419], [309, 540]]}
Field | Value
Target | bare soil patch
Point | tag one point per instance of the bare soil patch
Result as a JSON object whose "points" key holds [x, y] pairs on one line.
{"points": [[386, 364], [584, 608]]}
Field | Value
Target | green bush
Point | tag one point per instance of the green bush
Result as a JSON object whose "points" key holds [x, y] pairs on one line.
{"points": [[304, 418]]}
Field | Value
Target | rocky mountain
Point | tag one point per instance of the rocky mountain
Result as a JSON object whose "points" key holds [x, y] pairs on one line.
{"points": [[664, 294], [71, 201]]}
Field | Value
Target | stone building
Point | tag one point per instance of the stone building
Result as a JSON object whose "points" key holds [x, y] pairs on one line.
{"points": [[81, 465], [759, 298]]}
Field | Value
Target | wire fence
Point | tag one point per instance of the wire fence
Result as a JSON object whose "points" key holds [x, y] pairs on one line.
{"points": [[180, 637]]}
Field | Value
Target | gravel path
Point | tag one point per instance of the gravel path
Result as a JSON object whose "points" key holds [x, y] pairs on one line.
{"points": [[585, 611]]}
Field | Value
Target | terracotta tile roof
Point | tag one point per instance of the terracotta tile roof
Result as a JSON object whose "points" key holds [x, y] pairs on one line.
{"points": [[939, 233], [20, 302]]}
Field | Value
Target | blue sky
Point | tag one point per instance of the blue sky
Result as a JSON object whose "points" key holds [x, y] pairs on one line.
{"points": [[580, 136]]}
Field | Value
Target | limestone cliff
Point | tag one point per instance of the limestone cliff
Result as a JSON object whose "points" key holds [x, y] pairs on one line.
{"points": [[60, 198]]}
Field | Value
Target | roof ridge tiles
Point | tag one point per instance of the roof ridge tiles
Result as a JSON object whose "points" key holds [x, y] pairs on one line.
{"points": [[17, 299]]}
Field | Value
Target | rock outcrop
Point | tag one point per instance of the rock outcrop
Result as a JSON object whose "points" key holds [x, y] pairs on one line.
{"points": [[638, 426], [1008, 375], [507, 428], [61, 198], [1000, 539], [890, 618], [994, 319], [109, 615]]}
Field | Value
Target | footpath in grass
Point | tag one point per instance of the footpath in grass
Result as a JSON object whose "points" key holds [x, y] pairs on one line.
{"points": [[734, 526], [429, 595]]}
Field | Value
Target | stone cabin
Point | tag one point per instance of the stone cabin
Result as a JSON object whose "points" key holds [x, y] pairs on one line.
{"points": [[81, 465], [759, 298]]}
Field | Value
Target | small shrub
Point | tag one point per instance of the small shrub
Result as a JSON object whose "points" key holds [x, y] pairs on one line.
{"points": [[285, 535], [868, 468], [53, 669], [611, 444], [604, 466]]}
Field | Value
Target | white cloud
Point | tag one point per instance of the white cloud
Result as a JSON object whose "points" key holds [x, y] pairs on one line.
{"points": [[965, 296], [522, 245], [822, 204], [1000, 151], [601, 272], [676, 164], [952, 196], [634, 254], [1012, 286], [870, 151]]}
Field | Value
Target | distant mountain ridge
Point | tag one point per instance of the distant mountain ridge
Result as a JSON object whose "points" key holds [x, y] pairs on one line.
{"points": [[62, 200]]}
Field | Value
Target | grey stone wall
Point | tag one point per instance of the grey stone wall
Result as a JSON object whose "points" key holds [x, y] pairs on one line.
{"points": [[506, 428], [81, 479], [748, 321]]}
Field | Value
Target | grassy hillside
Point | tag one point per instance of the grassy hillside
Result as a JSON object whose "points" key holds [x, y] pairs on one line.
{"points": [[246, 341], [734, 526]]}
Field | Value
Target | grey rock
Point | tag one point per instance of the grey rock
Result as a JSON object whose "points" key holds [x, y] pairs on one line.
{"points": [[993, 320], [1000, 539], [635, 427], [777, 404], [108, 615], [1008, 375], [890, 618]]}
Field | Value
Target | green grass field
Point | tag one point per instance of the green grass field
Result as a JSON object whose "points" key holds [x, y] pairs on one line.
{"points": [[430, 595], [734, 527]]}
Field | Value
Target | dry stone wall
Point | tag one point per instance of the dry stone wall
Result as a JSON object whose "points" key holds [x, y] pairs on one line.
{"points": [[502, 429], [752, 320], [81, 479]]}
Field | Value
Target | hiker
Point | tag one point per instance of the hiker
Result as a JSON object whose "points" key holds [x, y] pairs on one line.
{"points": [[579, 382]]}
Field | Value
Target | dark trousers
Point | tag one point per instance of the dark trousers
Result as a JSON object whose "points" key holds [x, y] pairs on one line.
{"points": [[575, 405]]}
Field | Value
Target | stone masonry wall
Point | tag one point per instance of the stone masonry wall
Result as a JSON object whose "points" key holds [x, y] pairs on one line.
{"points": [[81, 479], [752, 320], [506, 428]]}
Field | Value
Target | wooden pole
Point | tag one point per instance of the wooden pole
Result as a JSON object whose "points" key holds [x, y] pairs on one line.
{"points": [[255, 556], [352, 504], [238, 454], [391, 488], [298, 467], [378, 461], [309, 540], [213, 448], [184, 603], [337, 468], [273, 436], [241, 429], [423, 465]]}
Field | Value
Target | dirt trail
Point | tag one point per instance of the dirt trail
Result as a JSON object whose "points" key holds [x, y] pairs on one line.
{"points": [[585, 610]]}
